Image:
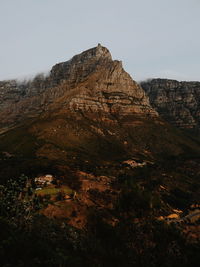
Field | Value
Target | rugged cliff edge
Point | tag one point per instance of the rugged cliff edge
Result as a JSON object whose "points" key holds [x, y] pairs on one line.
{"points": [[90, 82], [177, 102]]}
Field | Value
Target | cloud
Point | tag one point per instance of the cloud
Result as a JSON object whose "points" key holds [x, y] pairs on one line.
{"points": [[30, 77]]}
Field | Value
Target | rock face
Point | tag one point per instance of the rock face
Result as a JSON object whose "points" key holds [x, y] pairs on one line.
{"points": [[177, 102], [90, 82]]}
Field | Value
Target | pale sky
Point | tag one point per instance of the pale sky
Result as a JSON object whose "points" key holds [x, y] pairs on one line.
{"points": [[153, 38]]}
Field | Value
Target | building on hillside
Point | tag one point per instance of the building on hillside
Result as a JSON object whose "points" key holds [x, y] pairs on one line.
{"points": [[44, 180]]}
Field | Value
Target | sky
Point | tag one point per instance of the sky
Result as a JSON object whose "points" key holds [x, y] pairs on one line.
{"points": [[153, 38]]}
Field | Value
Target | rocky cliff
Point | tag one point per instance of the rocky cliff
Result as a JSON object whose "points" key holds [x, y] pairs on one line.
{"points": [[177, 102], [90, 82]]}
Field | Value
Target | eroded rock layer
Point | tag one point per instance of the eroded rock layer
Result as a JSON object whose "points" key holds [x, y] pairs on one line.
{"points": [[90, 82], [177, 102]]}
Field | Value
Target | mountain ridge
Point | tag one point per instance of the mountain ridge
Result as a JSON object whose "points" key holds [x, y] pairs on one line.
{"points": [[176, 102], [92, 82]]}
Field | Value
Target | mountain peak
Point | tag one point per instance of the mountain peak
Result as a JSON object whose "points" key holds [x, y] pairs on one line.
{"points": [[102, 51], [81, 65], [98, 52]]}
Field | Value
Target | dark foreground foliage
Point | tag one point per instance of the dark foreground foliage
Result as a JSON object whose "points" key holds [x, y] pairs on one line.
{"points": [[30, 239]]}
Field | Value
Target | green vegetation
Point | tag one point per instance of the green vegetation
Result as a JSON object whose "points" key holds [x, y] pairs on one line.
{"points": [[54, 190]]}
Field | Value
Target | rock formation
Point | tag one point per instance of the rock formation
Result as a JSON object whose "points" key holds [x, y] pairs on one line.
{"points": [[177, 102], [90, 82]]}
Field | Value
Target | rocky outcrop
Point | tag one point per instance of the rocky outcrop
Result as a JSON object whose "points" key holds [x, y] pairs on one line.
{"points": [[90, 82], [177, 102]]}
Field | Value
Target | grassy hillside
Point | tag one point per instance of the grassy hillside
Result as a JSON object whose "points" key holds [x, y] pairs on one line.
{"points": [[46, 144]]}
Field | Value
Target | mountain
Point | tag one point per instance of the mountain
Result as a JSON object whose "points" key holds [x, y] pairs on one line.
{"points": [[90, 82], [176, 102], [124, 175], [88, 109]]}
